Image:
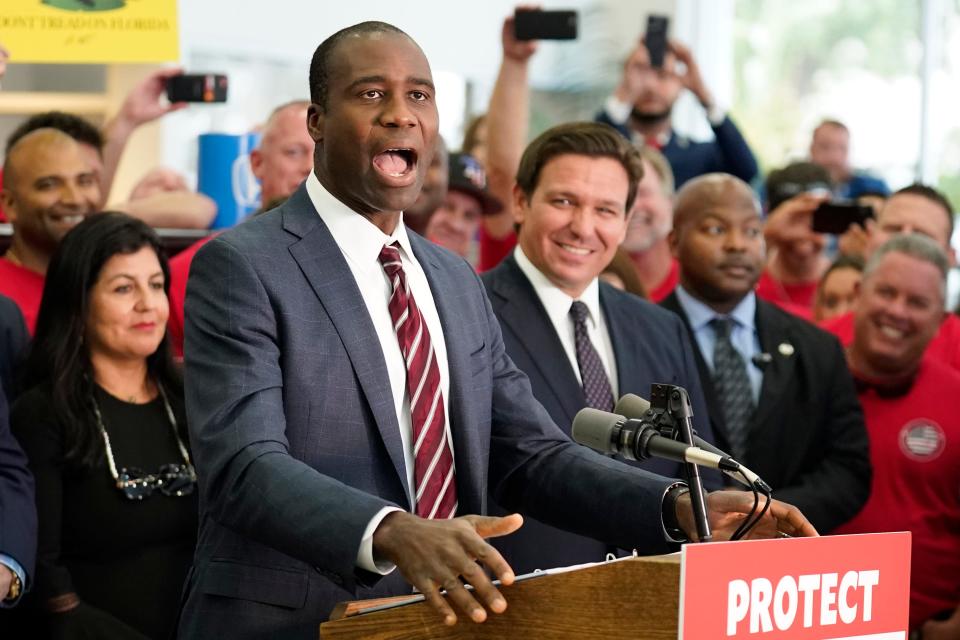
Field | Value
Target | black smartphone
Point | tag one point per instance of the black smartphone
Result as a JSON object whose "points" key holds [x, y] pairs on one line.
{"points": [[197, 87], [534, 24], [836, 217], [655, 38]]}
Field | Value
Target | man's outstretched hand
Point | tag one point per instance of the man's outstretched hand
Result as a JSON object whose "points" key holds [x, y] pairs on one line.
{"points": [[444, 554], [727, 509]]}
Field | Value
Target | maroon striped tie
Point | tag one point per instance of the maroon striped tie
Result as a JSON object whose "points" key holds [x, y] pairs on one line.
{"points": [[436, 486]]}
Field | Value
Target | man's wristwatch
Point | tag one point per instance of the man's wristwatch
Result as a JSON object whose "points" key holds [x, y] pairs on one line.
{"points": [[15, 587], [670, 522]]}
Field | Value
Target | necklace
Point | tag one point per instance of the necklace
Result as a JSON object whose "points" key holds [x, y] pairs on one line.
{"points": [[171, 480]]}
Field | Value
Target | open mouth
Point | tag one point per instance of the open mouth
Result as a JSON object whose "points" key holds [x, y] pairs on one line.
{"points": [[395, 163]]}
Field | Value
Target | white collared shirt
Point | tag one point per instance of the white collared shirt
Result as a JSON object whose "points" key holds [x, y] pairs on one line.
{"points": [[360, 241], [557, 304]]}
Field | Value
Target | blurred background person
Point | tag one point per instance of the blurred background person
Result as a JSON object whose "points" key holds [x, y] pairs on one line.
{"points": [[103, 149], [651, 220], [796, 254], [837, 289], [433, 191], [455, 223], [104, 430], [641, 107], [48, 189], [622, 274], [910, 405], [282, 160], [830, 149]]}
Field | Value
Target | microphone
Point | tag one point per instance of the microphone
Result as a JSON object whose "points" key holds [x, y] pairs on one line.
{"points": [[633, 406], [636, 440]]}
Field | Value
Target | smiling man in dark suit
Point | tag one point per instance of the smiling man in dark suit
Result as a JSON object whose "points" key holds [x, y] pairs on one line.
{"points": [[349, 398], [779, 394], [581, 342]]}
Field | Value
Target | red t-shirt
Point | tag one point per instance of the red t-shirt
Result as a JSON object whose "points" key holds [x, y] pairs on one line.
{"points": [[666, 287], [494, 250], [944, 347], [179, 271], [25, 287], [915, 453], [793, 298], [3, 217]]}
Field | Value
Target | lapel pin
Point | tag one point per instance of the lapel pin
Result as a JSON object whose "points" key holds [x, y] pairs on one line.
{"points": [[785, 349]]}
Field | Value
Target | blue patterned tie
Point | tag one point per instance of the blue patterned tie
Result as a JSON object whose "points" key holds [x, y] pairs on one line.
{"points": [[732, 386], [596, 385]]}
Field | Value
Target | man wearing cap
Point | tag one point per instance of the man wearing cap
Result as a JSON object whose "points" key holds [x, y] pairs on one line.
{"points": [[581, 342], [455, 222]]}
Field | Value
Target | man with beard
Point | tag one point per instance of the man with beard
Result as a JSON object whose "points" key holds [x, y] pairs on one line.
{"points": [[640, 109], [48, 189], [350, 401], [778, 392], [651, 220]]}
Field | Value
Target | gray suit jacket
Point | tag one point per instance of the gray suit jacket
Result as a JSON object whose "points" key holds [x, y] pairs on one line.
{"points": [[297, 442]]}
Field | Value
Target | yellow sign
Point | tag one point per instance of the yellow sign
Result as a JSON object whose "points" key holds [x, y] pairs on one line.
{"points": [[90, 30]]}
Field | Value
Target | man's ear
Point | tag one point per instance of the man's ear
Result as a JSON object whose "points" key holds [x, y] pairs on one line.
{"points": [[316, 120], [673, 239], [520, 204], [9, 205]]}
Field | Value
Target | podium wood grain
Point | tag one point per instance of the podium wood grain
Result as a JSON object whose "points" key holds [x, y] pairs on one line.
{"points": [[635, 598]]}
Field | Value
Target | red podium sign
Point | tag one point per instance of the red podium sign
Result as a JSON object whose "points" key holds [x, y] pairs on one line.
{"points": [[828, 588]]}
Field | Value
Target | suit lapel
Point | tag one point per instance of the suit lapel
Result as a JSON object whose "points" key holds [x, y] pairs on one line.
{"points": [[447, 288], [776, 340], [327, 271], [522, 311]]}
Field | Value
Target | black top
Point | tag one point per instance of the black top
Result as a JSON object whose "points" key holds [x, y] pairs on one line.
{"points": [[124, 557]]}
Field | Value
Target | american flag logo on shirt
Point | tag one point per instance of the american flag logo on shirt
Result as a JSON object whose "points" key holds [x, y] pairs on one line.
{"points": [[922, 440]]}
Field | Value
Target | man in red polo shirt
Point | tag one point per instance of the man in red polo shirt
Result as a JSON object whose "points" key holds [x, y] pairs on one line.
{"points": [[910, 407], [48, 189], [914, 209]]}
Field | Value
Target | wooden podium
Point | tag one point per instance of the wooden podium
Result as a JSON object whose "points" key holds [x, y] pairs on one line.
{"points": [[629, 598]]}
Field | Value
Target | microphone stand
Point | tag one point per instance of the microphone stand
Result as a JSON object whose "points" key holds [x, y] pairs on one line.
{"points": [[677, 404]]}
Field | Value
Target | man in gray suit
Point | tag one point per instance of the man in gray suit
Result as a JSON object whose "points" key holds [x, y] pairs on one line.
{"points": [[349, 397]]}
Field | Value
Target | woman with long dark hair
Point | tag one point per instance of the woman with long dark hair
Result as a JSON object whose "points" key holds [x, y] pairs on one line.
{"points": [[103, 426]]}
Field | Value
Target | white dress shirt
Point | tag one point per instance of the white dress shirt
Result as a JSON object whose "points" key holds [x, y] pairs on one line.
{"points": [[360, 241], [557, 304]]}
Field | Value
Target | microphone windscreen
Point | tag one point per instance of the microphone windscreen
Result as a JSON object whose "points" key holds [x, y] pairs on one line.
{"points": [[594, 428], [631, 406]]}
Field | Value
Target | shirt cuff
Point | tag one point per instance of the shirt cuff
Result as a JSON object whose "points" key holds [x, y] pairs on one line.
{"points": [[618, 112], [668, 520], [716, 115], [14, 566], [365, 559]]}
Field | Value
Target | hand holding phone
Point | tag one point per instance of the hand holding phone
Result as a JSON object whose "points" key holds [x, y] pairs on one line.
{"points": [[837, 217], [536, 24], [200, 87]]}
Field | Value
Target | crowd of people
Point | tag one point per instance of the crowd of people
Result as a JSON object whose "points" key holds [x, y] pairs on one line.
{"points": [[325, 402]]}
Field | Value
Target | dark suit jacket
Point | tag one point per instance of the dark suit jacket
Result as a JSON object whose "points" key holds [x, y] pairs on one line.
{"points": [[14, 340], [650, 346], [807, 436], [728, 152], [296, 438], [18, 511]]}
